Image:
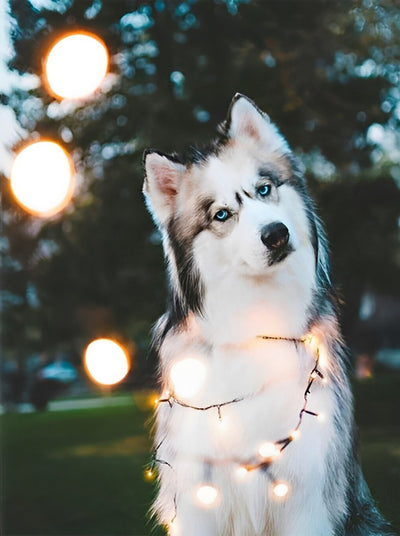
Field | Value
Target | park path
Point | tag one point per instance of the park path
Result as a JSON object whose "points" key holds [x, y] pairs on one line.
{"points": [[80, 403]]}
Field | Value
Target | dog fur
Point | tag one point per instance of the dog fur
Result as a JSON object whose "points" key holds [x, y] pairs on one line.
{"points": [[226, 289]]}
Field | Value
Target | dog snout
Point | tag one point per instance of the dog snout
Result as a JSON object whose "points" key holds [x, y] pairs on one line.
{"points": [[275, 235]]}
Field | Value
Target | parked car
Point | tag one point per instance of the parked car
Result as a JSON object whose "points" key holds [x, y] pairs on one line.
{"points": [[50, 381]]}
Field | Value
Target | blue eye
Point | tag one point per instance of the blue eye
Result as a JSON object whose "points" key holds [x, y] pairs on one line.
{"points": [[221, 215], [264, 190]]}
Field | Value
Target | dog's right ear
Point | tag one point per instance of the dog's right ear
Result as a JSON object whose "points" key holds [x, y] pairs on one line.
{"points": [[161, 184]]}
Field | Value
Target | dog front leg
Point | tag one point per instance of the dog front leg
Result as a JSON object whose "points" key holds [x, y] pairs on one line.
{"points": [[312, 520], [192, 520]]}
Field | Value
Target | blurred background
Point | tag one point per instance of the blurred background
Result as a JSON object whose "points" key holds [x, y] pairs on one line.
{"points": [[74, 444]]}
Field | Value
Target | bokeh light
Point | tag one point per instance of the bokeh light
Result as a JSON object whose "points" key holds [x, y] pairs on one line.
{"points": [[174, 528], [241, 472], [280, 489], [76, 65], [207, 495], [269, 450], [187, 376], [295, 434], [42, 178], [149, 475], [106, 361]]}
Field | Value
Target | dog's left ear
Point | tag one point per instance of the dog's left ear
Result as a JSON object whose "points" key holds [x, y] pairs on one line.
{"points": [[163, 177], [246, 120]]}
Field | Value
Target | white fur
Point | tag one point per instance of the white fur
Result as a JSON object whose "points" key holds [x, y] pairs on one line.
{"points": [[235, 370]]}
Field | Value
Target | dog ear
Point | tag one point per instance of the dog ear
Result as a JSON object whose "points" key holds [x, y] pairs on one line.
{"points": [[161, 184], [246, 120]]}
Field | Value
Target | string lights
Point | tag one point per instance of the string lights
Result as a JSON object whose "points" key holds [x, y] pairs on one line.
{"points": [[187, 376], [207, 494]]}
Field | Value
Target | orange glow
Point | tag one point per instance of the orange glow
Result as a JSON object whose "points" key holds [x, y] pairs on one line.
{"points": [[42, 178], [149, 475], [76, 65], [312, 341], [106, 361], [145, 400]]}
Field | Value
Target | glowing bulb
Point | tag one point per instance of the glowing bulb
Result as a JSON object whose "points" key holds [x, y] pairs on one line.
{"points": [[295, 434], [173, 528], [241, 472], [106, 361], [149, 474], [269, 450], [280, 489], [207, 495], [321, 417], [323, 357], [314, 375], [311, 340], [42, 178], [187, 377], [223, 424], [76, 65]]}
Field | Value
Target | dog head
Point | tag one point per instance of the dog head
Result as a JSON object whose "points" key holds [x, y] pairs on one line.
{"points": [[241, 207]]}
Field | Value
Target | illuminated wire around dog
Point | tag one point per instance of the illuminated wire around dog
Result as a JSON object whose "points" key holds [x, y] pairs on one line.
{"points": [[268, 451]]}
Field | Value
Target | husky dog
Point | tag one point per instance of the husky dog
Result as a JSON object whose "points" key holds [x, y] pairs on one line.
{"points": [[249, 281]]}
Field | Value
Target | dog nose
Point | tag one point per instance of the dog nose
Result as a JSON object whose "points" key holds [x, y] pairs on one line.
{"points": [[275, 235]]}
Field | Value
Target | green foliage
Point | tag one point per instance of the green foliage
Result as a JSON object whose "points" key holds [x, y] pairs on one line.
{"points": [[78, 472], [325, 72]]}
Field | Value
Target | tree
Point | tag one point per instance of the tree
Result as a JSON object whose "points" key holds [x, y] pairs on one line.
{"points": [[325, 73]]}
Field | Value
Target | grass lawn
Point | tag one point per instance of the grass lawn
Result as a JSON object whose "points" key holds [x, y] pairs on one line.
{"points": [[80, 473]]}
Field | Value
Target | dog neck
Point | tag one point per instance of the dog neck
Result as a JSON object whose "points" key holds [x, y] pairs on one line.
{"points": [[237, 308]]}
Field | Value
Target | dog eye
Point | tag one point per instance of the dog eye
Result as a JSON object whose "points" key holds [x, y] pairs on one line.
{"points": [[221, 215], [264, 190]]}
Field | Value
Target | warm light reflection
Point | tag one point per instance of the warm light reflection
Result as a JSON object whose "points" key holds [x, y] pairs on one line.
{"points": [[312, 341], [42, 178], [223, 424], [280, 489], [106, 361], [187, 377], [76, 65], [323, 358], [173, 528], [269, 450], [241, 472], [207, 495], [149, 475]]}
